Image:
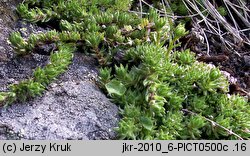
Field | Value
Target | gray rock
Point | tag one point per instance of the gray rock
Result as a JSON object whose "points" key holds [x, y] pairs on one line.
{"points": [[72, 107], [69, 110]]}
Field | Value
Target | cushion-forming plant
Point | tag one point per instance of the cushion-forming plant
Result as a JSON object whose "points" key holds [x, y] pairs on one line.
{"points": [[163, 93]]}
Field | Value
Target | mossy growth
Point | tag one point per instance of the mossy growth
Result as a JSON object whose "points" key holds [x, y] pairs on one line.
{"points": [[163, 93]]}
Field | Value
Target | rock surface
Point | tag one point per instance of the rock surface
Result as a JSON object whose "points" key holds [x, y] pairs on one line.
{"points": [[72, 107], [7, 22]]}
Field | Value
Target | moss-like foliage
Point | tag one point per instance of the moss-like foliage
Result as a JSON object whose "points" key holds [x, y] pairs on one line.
{"points": [[34, 86], [163, 93]]}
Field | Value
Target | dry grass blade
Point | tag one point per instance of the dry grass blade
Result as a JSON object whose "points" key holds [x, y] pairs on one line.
{"points": [[214, 21], [205, 14]]}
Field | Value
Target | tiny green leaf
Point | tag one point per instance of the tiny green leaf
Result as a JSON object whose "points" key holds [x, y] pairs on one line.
{"points": [[147, 123], [115, 87]]}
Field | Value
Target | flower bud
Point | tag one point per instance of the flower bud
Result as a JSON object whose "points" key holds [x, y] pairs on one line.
{"points": [[180, 31]]}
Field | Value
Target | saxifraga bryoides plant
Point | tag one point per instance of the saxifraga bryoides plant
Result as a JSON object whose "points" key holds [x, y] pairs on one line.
{"points": [[163, 93]]}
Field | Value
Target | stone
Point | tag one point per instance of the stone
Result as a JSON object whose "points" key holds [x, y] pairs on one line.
{"points": [[85, 113], [3, 56]]}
